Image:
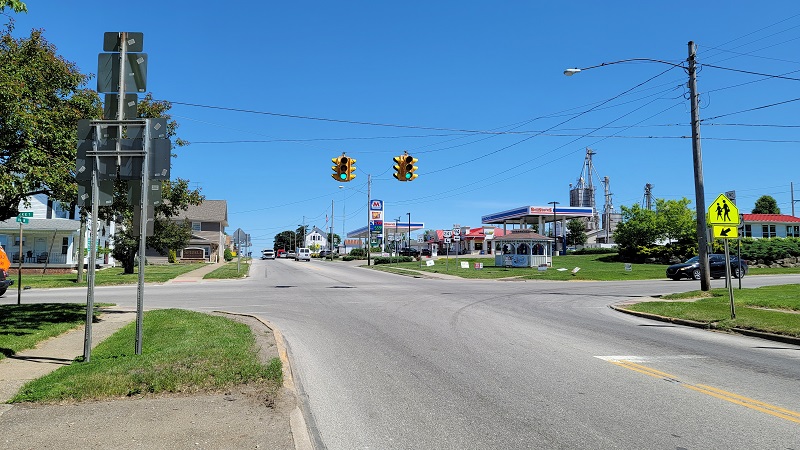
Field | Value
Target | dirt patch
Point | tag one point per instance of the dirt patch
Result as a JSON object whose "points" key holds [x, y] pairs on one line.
{"points": [[247, 416]]}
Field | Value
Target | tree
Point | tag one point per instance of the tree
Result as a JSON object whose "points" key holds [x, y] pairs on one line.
{"points": [[42, 97], [576, 234], [285, 240], [168, 234], [639, 227], [16, 5], [766, 205], [676, 221]]}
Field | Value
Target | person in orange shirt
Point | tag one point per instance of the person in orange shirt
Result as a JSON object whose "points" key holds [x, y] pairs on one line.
{"points": [[4, 262]]}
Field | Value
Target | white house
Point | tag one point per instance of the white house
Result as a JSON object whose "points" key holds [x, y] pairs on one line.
{"points": [[50, 238], [770, 225], [316, 240]]}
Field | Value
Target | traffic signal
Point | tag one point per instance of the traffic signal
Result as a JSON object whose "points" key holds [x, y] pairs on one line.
{"points": [[351, 168], [343, 168], [339, 168], [405, 167]]}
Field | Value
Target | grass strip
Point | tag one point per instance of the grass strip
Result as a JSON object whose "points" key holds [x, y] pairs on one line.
{"points": [[24, 326], [231, 269], [183, 352], [771, 309], [156, 273]]}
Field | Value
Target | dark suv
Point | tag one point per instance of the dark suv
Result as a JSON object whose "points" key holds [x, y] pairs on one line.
{"points": [[4, 281], [716, 264], [406, 251]]}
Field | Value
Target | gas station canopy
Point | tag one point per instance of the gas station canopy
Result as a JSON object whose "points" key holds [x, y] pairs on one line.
{"points": [[536, 214], [388, 228]]}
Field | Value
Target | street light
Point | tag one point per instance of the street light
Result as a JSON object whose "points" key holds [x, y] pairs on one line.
{"points": [[555, 238], [697, 155]]}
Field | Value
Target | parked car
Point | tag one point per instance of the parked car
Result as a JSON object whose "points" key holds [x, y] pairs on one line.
{"points": [[280, 253], [303, 254], [406, 251], [291, 255], [425, 252], [268, 254], [325, 253], [5, 283], [691, 268]]}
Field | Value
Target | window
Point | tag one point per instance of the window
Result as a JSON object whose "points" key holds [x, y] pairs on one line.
{"points": [[64, 245], [793, 231], [768, 231], [748, 231], [195, 226]]}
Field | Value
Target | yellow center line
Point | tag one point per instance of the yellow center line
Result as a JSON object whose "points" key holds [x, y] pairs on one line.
{"points": [[737, 399]]}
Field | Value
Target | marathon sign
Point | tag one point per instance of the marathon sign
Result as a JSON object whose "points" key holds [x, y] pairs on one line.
{"points": [[376, 205]]}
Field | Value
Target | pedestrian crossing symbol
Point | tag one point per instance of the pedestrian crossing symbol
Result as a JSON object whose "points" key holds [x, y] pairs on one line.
{"points": [[723, 212]]}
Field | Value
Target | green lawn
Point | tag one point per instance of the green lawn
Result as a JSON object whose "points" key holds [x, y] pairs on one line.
{"points": [[600, 267], [231, 269], [592, 267], [774, 309], [183, 352], [157, 273], [24, 326]]}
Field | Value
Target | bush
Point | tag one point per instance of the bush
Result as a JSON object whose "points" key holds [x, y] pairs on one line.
{"points": [[172, 256], [228, 255], [769, 250], [356, 253], [593, 251], [349, 258], [391, 260]]}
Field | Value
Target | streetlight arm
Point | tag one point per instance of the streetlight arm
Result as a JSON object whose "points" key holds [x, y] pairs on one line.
{"points": [[573, 71]]}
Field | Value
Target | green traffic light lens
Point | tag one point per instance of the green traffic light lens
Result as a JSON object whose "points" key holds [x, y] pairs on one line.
{"points": [[408, 175], [343, 176]]}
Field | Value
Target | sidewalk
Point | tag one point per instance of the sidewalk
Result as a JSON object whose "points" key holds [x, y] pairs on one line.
{"points": [[197, 274], [28, 365]]}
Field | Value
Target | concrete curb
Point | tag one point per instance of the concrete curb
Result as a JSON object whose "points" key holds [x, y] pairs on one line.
{"points": [[707, 326], [297, 422]]}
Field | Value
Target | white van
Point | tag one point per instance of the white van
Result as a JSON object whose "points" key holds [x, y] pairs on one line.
{"points": [[302, 254], [268, 254]]}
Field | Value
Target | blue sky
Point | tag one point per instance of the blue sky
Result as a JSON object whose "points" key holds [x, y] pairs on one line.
{"points": [[373, 79]]}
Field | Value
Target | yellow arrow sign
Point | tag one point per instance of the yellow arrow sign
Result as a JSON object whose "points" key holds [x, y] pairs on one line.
{"points": [[723, 212], [725, 232]]}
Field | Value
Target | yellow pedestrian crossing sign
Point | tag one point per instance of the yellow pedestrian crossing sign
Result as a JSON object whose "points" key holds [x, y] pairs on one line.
{"points": [[725, 232], [723, 212]]}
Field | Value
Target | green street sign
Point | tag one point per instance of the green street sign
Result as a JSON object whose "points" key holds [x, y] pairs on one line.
{"points": [[22, 220], [25, 214]]}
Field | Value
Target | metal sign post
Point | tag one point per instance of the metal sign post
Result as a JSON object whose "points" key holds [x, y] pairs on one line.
{"points": [[728, 278]]}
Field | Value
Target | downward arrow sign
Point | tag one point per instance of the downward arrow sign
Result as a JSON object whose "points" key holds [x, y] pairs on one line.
{"points": [[725, 231]]}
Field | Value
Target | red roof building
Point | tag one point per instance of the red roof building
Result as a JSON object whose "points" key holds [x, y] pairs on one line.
{"points": [[770, 225]]}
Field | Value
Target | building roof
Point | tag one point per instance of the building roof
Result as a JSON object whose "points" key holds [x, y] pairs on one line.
{"points": [[516, 235], [778, 218], [318, 231], [42, 225], [208, 211]]}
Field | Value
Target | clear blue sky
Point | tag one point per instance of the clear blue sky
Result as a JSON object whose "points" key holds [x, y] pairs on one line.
{"points": [[428, 71]]}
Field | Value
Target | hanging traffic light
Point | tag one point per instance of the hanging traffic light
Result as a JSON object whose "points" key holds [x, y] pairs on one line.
{"points": [[400, 168], [339, 168], [405, 167], [410, 167], [351, 168]]}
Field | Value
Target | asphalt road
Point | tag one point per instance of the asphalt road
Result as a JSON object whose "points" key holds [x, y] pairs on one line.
{"points": [[385, 361]]}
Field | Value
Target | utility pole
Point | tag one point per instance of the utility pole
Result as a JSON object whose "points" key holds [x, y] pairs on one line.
{"points": [[791, 188], [369, 219], [699, 189], [648, 196]]}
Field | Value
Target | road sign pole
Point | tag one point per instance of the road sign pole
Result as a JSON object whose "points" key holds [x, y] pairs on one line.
{"points": [[143, 238], [728, 279], [19, 268], [87, 338]]}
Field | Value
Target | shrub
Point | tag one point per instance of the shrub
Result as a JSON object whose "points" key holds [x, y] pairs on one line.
{"points": [[172, 256], [357, 252], [593, 251], [228, 255], [391, 260], [349, 258]]}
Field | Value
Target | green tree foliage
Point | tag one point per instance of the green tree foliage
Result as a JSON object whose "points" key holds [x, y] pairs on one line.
{"points": [[284, 240], [676, 221], [169, 233], [228, 255], [766, 205], [42, 97], [15, 5], [576, 234], [639, 228]]}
